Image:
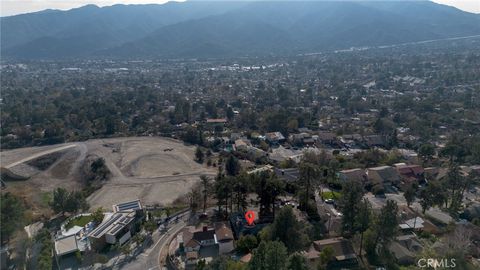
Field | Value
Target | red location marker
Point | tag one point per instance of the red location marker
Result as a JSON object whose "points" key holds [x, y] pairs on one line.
{"points": [[250, 217]]}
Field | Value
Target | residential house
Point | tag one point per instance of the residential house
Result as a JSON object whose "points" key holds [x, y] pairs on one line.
{"points": [[301, 139], [374, 141], [415, 223], [410, 174], [383, 175], [205, 243], [193, 240], [327, 138], [281, 153], [343, 254], [224, 237], [205, 237], [116, 229], [255, 153], [355, 175], [242, 145], [296, 139], [187, 241], [215, 124], [351, 140], [405, 249], [72, 240], [274, 137]]}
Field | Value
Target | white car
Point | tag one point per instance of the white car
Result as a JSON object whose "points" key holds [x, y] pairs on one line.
{"points": [[330, 201]]}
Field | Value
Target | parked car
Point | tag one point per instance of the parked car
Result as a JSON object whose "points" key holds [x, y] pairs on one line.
{"points": [[330, 201]]}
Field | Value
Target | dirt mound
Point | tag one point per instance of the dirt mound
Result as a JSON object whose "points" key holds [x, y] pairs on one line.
{"points": [[19, 172], [44, 162]]}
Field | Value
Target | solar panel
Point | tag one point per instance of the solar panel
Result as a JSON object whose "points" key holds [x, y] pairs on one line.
{"points": [[134, 205], [100, 230], [122, 220], [116, 229], [128, 220]]}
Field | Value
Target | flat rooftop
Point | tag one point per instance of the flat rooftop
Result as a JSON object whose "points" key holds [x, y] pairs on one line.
{"points": [[114, 224], [66, 245], [130, 205]]}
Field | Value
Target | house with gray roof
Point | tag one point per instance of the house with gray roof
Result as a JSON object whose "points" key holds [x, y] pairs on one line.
{"points": [[356, 175], [383, 175], [405, 249], [116, 229], [343, 254]]}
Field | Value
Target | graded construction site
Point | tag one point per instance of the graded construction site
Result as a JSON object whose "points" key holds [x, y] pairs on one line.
{"points": [[155, 170]]}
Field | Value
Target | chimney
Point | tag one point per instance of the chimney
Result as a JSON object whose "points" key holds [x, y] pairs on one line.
{"points": [[205, 228]]}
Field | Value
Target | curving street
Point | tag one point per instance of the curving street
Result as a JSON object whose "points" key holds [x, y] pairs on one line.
{"points": [[154, 257]]}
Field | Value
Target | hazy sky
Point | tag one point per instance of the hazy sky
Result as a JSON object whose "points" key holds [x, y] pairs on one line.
{"points": [[12, 7]]}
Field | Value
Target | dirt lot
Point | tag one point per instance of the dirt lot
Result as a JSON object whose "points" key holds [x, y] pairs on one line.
{"points": [[156, 170]]}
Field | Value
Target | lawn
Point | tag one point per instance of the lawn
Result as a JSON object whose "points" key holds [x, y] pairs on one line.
{"points": [[331, 195], [78, 221]]}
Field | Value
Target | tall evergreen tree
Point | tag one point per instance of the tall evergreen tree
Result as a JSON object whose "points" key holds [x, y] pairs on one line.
{"points": [[309, 175], [199, 155], [409, 194], [287, 229], [352, 193], [232, 166], [385, 227], [205, 181], [297, 261], [269, 256], [363, 220]]}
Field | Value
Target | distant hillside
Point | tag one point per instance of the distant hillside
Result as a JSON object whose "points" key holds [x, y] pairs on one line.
{"points": [[218, 29]]}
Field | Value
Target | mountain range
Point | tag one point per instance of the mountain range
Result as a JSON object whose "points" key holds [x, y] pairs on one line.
{"points": [[194, 29]]}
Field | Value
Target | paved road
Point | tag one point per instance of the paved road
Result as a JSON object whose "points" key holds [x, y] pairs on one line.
{"points": [[153, 257], [325, 206], [163, 246]]}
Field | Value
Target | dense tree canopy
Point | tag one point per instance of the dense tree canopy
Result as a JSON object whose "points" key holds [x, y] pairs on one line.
{"points": [[288, 230], [12, 215]]}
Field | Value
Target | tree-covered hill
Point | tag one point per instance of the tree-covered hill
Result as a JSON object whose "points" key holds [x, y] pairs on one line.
{"points": [[223, 29]]}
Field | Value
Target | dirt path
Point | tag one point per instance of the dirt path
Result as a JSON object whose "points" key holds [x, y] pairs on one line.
{"points": [[37, 155]]}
